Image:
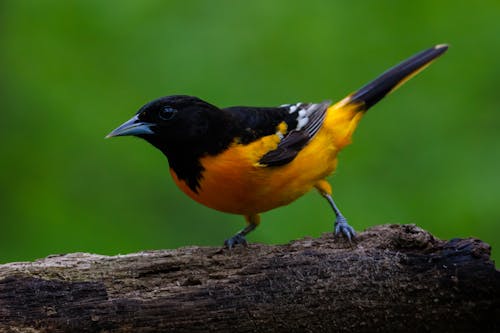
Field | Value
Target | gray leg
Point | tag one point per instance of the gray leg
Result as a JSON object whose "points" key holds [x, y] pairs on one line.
{"points": [[341, 225], [252, 223]]}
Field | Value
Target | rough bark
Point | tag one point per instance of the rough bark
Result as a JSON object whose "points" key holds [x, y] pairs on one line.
{"points": [[395, 278]]}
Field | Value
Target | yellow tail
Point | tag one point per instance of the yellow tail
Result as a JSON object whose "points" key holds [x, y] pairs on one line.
{"points": [[343, 117]]}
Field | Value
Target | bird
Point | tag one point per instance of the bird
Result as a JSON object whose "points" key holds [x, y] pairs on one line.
{"points": [[249, 160]]}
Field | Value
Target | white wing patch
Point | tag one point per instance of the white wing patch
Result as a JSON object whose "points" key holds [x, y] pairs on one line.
{"points": [[301, 122], [303, 110], [309, 118]]}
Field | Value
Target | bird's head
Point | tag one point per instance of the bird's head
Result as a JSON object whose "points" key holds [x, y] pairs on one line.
{"points": [[171, 120]]}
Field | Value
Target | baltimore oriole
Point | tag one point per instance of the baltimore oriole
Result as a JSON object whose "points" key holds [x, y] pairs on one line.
{"points": [[248, 160]]}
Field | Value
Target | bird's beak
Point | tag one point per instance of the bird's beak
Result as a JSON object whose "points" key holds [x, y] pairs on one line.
{"points": [[132, 127]]}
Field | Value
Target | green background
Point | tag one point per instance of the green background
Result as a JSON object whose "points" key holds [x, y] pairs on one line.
{"points": [[71, 71]]}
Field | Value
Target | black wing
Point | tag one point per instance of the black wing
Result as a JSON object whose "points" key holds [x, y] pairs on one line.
{"points": [[309, 118], [303, 121]]}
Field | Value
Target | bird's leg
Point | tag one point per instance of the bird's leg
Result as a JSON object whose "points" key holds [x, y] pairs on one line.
{"points": [[341, 226], [252, 222]]}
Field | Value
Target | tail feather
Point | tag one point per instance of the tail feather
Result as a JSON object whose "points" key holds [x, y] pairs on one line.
{"points": [[390, 80], [344, 116]]}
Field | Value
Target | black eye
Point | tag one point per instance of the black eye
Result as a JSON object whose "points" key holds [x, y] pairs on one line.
{"points": [[167, 113]]}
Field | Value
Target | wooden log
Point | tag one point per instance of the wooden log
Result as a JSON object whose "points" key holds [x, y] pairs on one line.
{"points": [[394, 278]]}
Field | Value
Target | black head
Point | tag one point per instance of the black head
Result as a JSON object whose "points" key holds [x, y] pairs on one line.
{"points": [[184, 128], [173, 120]]}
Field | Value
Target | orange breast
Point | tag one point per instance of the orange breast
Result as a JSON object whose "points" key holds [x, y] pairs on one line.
{"points": [[234, 181]]}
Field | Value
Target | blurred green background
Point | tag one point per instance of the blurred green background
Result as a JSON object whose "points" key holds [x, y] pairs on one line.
{"points": [[71, 71]]}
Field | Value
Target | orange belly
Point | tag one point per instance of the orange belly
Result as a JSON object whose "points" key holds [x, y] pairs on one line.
{"points": [[234, 181]]}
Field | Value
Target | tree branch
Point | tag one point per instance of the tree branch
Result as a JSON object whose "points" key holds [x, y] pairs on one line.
{"points": [[396, 278]]}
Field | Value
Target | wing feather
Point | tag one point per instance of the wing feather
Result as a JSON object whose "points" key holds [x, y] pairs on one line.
{"points": [[297, 138]]}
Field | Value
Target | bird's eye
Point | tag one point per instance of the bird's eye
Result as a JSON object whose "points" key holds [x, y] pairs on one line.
{"points": [[167, 113]]}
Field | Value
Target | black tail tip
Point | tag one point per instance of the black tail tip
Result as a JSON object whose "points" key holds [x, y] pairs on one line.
{"points": [[388, 81], [441, 47]]}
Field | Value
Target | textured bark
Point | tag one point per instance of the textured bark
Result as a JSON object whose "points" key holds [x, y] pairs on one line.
{"points": [[396, 278]]}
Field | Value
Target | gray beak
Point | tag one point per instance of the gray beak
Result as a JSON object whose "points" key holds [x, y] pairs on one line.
{"points": [[132, 127]]}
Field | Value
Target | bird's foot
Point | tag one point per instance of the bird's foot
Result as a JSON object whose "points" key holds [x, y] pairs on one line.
{"points": [[235, 240], [343, 228]]}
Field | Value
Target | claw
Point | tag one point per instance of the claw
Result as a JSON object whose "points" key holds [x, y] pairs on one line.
{"points": [[235, 240], [342, 227]]}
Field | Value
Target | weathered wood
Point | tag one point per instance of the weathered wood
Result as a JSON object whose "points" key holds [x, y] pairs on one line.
{"points": [[396, 278]]}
